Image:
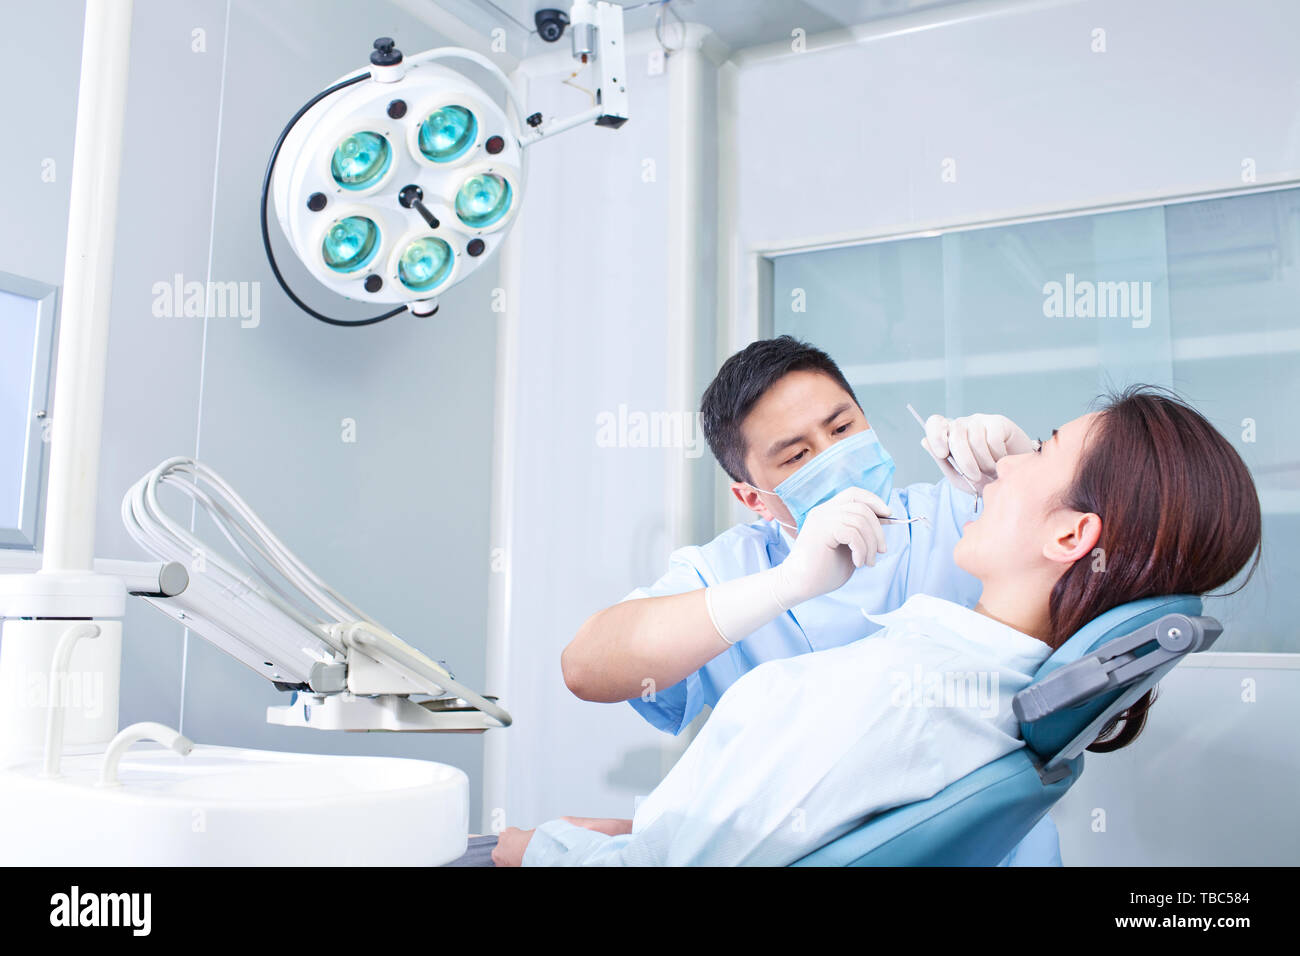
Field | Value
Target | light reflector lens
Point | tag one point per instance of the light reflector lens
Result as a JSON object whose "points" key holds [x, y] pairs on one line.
{"points": [[483, 200], [425, 264], [361, 160], [447, 133], [350, 244]]}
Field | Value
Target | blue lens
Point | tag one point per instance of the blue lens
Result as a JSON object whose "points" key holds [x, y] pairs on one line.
{"points": [[483, 200], [350, 243], [360, 160], [425, 264], [448, 133]]}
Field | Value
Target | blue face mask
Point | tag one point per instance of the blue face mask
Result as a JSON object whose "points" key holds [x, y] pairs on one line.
{"points": [[859, 461]]}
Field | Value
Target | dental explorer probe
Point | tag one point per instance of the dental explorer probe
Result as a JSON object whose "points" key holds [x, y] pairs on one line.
{"points": [[952, 461]]}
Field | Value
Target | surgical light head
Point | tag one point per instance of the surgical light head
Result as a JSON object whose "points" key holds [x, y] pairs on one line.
{"points": [[400, 180], [342, 170]]}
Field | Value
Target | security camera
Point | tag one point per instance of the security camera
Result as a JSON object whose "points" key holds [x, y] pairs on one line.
{"points": [[551, 23]]}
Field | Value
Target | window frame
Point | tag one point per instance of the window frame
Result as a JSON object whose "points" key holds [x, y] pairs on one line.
{"points": [[27, 536]]}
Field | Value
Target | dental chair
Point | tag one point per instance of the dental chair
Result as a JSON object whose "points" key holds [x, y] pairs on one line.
{"points": [[1099, 672]]}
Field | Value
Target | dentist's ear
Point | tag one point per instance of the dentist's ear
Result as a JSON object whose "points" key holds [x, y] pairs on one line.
{"points": [[751, 499], [1074, 534]]}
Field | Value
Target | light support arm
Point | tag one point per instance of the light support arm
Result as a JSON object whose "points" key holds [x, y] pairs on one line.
{"points": [[597, 29], [597, 37]]}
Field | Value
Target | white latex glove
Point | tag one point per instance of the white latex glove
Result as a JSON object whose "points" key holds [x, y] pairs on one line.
{"points": [[838, 536], [976, 443]]}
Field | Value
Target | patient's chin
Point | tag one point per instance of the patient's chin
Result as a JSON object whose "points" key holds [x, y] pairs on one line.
{"points": [[971, 553], [962, 555]]}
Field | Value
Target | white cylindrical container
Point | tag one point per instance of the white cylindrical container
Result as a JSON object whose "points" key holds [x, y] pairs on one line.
{"points": [[87, 689]]}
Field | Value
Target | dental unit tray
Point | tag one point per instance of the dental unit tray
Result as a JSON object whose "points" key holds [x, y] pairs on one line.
{"points": [[269, 611]]}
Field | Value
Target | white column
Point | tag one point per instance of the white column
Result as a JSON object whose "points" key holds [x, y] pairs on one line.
{"points": [[692, 270], [37, 606], [87, 289], [505, 435]]}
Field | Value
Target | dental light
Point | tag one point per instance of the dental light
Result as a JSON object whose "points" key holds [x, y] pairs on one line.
{"points": [[398, 181], [263, 606]]}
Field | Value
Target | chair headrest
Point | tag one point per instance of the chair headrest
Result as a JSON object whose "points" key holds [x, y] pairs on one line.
{"points": [[1047, 736]]}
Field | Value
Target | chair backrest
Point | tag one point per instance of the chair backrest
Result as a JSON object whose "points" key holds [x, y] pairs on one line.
{"points": [[978, 820], [975, 821], [1048, 736]]}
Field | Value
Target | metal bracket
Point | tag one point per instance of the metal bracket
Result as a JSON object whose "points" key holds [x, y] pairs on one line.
{"points": [[1116, 665]]}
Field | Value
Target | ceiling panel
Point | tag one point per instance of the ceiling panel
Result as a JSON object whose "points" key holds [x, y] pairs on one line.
{"points": [[738, 23]]}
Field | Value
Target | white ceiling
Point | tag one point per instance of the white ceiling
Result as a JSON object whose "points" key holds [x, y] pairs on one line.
{"points": [[738, 23]]}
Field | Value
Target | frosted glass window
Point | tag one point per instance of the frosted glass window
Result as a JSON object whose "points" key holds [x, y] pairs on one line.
{"points": [[26, 333], [1036, 320]]}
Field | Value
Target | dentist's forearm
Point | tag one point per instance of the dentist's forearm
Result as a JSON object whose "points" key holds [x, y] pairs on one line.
{"points": [[638, 645], [653, 643]]}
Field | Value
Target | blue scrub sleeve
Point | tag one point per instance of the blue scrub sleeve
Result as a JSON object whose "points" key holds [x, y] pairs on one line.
{"points": [[671, 709]]}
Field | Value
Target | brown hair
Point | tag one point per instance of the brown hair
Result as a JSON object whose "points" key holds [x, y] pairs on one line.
{"points": [[1179, 515]]}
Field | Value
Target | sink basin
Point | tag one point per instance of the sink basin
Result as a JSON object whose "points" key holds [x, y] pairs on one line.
{"points": [[225, 806]]}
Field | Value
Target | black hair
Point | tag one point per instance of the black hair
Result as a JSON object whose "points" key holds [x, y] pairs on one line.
{"points": [[742, 381]]}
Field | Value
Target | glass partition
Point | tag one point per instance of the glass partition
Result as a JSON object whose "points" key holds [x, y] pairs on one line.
{"points": [[1037, 319]]}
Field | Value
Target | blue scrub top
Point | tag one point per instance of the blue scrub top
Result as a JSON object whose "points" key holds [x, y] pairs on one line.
{"points": [[918, 560]]}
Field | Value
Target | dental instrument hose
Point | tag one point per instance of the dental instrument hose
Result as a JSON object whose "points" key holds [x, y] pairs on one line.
{"points": [[267, 588]]}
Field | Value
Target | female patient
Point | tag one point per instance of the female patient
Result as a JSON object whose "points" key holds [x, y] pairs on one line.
{"points": [[1139, 499]]}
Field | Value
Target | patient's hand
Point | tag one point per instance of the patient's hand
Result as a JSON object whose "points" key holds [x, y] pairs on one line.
{"points": [[605, 825], [511, 844]]}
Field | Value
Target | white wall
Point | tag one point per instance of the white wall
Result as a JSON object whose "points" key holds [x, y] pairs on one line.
{"points": [[1212, 781], [599, 325], [848, 142]]}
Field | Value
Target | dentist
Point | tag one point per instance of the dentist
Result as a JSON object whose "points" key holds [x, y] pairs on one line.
{"points": [[785, 425]]}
